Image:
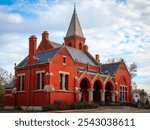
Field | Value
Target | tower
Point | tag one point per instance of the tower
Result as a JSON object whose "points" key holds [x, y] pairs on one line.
{"points": [[74, 37]]}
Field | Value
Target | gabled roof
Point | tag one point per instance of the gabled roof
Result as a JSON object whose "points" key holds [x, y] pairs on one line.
{"points": [[74, 27], [110, 68], [82, 57], [46, 45], [42, 57]]}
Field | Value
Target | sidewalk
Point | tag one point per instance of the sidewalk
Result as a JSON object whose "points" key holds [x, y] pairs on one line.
{"points": [[106, 109]]}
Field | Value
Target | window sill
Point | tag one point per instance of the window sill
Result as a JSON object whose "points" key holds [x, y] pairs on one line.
{"points": [[64, 91], [39, 90], [21, 91]]}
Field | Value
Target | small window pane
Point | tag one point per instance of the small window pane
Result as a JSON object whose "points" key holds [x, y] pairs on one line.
{"points": [[61, 81], [22, 82], [66, 82], [43, 81], [19, 83], [38, 81]]}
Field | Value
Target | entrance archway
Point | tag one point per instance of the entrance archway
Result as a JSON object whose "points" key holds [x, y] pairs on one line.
{"points": [[108, 94], [84, 85], [96, 92]]}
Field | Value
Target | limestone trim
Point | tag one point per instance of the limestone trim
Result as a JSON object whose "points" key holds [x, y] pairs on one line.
{"points": [[39, 90], [22, 74], [40, 71], [64, 91], [102, 95], [8, 95], [109, 79], [64, 72], [85, 75], [90, 94], [102, 91]]}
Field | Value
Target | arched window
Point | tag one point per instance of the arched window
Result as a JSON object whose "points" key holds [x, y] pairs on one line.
{"points": [[123, 81], [70, 44], [123, 90], [80, 46]]}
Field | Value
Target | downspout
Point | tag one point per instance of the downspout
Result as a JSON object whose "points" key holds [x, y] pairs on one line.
{"points": [[28, 87], [49, 80]]}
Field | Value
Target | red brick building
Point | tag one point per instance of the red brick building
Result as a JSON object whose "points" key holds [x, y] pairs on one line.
{"points": [[68, 72]]}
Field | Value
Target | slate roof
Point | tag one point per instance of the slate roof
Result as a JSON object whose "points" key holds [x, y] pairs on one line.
{"points": [[110, 68], [74, 27], [54, 44], [83, 57], [42, 57], [10, 85]]}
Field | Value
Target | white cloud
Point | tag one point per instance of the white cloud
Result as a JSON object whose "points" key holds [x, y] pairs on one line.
{"points": [[111, 29], [10, 18]]}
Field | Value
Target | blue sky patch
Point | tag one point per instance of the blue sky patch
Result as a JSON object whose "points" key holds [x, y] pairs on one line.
{"points": [[121, 1]]}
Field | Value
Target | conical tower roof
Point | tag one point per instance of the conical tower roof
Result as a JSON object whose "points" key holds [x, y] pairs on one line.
{"points": [[74, 27]]}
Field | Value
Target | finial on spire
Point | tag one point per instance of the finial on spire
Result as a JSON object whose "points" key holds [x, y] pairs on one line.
{"points": [[74, 6]]}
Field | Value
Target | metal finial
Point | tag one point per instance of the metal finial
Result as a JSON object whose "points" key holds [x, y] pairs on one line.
{"points": [[74, 6]]}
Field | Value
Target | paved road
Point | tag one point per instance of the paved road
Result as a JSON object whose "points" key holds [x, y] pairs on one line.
{"points": [[109, 109]]}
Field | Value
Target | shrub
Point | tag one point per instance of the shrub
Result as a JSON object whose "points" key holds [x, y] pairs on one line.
{"points": [[61, 105], [49, 107], [148, 106], [2, 97], [83, 105], [18, 108], [110, 104], [94, 105]]}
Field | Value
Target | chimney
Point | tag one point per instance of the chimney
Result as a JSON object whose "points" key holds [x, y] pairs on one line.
{"points": [[32, 49], [45, 35], [97, 57], [85, 48]]}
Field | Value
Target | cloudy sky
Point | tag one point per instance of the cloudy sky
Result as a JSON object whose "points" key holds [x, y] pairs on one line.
{"points": [[113, 29]]}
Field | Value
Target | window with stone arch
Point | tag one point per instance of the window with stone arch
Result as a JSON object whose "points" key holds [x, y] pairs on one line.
{"points": [[80, 46], [70, 44], [123, 90]]}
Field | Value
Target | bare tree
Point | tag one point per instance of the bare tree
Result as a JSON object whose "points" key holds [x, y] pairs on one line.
{"points": [[5, 77], [133, 70]]}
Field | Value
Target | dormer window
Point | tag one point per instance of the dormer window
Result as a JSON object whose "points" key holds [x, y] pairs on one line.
{"points": [[80, 46]]}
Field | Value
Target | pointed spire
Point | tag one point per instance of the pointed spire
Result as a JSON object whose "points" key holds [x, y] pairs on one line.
{"points": [[74, 27]]}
